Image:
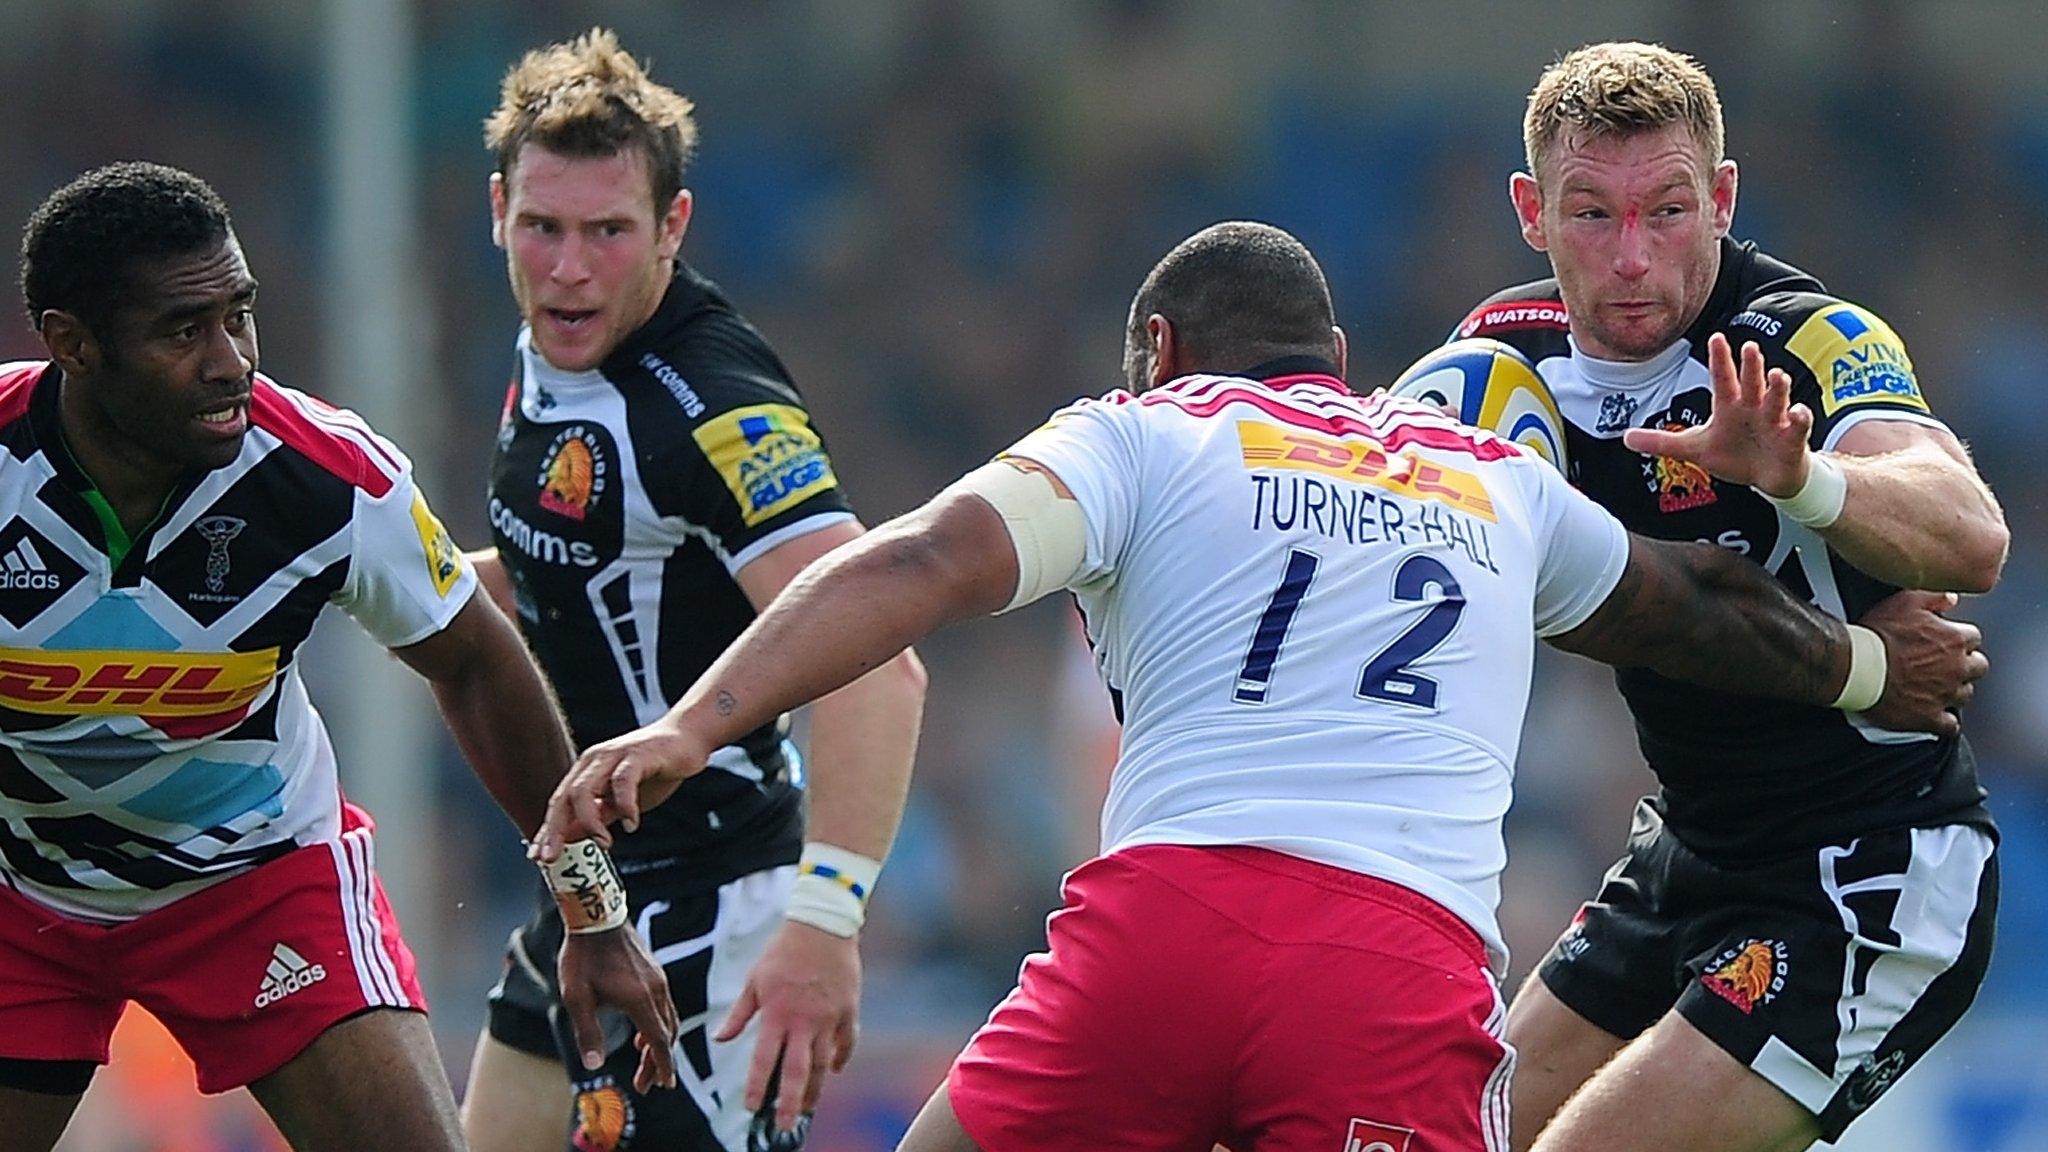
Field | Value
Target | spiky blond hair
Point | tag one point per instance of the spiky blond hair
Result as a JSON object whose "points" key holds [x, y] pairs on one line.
{"points": [[590, 97], [1620, 88]]}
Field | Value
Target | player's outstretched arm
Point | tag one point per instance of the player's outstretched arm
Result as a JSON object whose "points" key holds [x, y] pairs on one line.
{"points": [[805, 988], [1698, 613], [511, 731], [1900, 500], [846, 615]]}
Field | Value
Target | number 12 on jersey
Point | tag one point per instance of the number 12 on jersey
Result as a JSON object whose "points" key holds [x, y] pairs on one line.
{"points": [[1386, 676]]}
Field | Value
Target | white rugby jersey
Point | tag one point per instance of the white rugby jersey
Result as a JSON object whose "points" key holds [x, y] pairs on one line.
{"points": [[155, 737], [1317, 612]]}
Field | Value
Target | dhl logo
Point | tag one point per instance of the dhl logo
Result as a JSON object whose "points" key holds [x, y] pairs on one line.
{"points": [[90, 683], [1362, 462]]}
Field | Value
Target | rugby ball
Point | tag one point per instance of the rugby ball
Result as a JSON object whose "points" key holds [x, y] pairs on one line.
{"points": [[1493, 386]]}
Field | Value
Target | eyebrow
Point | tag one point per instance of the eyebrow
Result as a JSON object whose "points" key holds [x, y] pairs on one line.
{"points": [[199, 306]]}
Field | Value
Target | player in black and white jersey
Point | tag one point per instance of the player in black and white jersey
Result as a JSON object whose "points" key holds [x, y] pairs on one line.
{"points": [[657, 478], [172, 831], [1807, 904]]}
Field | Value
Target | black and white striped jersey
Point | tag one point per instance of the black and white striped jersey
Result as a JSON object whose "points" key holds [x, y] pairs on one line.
{"points": [[155, 736], [623, 501], [1743, 775]]}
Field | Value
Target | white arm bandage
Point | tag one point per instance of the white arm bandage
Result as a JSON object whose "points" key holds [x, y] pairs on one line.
{"points": [[1045, 527]]}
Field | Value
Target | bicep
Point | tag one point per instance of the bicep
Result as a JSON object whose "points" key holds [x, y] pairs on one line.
{"points": [[1655, 591], [479, 629], [766, 575], [1880, 437]]}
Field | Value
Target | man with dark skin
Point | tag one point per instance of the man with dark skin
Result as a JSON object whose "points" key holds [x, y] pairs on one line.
{"points": [[171, 831]]}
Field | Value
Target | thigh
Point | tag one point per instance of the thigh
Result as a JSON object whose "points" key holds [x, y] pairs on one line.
{"points": [[59, 1001], [247, 973], [515, 1101], [1615, 965], [1374, 1021], [1556, 1050], [1834, 973], [1123, 1033], [372, 1081], [1674, 1090]]}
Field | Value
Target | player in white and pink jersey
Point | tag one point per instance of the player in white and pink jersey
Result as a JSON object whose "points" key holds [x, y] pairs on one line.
{"points": [[1317, 613]]}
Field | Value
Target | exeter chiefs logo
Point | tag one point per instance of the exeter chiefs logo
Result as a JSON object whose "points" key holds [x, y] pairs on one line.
{"points": [[573, 473], [1751, 973], [1678, 484], [604, 1119]]}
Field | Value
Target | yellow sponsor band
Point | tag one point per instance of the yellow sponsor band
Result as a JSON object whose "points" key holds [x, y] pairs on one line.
{"points": [[768, 456], [444, 559], [105, 682], [1857, 359], [1362, 462]]}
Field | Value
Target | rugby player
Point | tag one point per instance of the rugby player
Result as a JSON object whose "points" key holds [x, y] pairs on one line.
{"points": [[657, 478], [172, 833], [1806, 905], [1316, 612]]}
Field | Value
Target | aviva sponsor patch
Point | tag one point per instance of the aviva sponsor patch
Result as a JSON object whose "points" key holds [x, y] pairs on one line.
{"points": [[1857, 358], [154, 684], [444, 559], [768, 456], [1362, 462]]}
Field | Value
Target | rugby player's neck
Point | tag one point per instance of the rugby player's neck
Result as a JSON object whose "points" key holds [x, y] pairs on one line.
{"points": [[134, 483]]}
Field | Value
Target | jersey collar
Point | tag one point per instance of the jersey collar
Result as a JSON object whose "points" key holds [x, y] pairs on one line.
{"points": [[1291, 371]]}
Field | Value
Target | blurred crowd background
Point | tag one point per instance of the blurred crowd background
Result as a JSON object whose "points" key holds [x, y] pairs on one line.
{"points": [[938, 209]]}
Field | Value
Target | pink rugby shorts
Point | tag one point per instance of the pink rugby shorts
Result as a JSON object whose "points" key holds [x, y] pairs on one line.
{"points": [[1195, 996], [245, 974]]}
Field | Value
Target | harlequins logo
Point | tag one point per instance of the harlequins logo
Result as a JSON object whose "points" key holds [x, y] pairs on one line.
{"points": [[1678, 484], [1751, 973], [573, 473], [218, 532]]}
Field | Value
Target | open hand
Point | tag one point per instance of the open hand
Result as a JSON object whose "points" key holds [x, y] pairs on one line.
{"points": [[806, 990], [1754, 435]]}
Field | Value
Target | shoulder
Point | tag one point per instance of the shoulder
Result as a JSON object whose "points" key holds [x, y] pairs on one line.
{"points": [[335, 441], [1852, 354], [1528, 316], [17, 383]]}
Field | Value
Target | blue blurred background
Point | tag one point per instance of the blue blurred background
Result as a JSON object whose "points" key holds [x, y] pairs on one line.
{"points": [[937, 211]]}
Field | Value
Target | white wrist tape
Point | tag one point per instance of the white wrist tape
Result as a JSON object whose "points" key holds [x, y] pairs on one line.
{"points": [[1866, 670], [832, 887], [1818, 503], [1046, 528], [587, 888]]}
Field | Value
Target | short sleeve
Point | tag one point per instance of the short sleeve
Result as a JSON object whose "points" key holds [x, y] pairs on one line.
{"points": [[406, 579], [751, 468], [1849, 366], [1094, 448], [1583, 550]]}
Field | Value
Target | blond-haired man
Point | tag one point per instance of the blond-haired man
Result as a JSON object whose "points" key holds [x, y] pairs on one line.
{"points": [[657, 479], [1807, 904]]}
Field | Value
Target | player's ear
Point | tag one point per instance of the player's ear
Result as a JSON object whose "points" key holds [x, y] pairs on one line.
{"points": [[498, 209], [1722, 194], [1343, 350], [674, 223], [71, 345], [1165, 352], [1527, 197]]}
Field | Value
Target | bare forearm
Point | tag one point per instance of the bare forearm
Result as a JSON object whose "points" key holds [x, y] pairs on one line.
{"points": [[1695, 612], [863, 742], [511, 732], [848, 614], [1919, 519]]}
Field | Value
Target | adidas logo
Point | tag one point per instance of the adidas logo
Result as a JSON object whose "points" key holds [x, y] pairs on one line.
{"points": [[288, 973], [23, 567]]}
